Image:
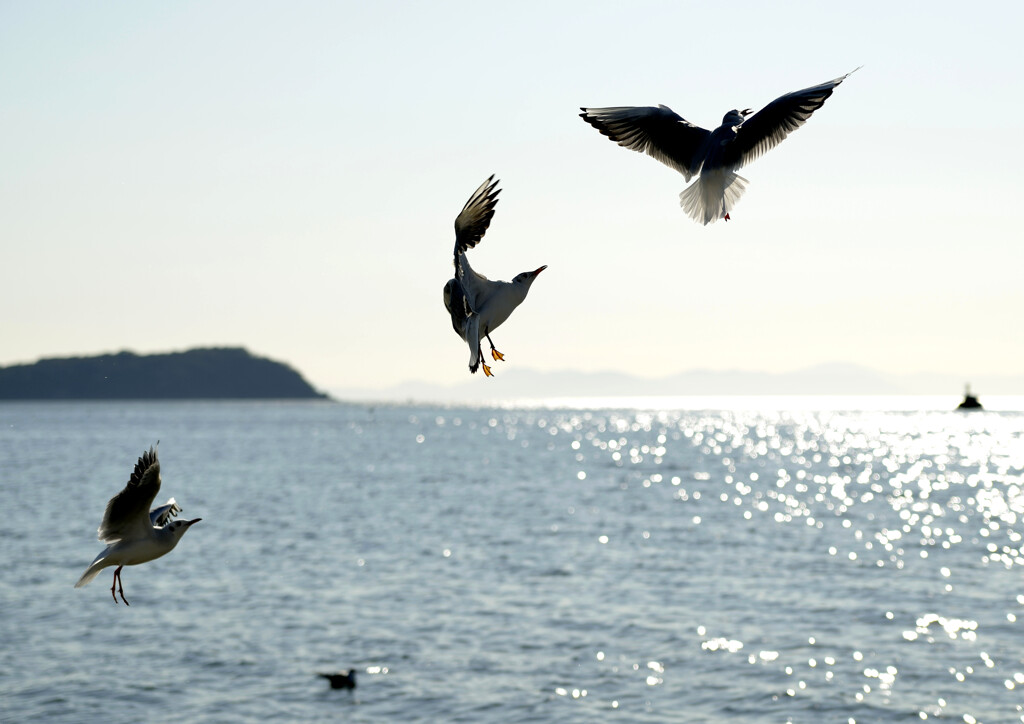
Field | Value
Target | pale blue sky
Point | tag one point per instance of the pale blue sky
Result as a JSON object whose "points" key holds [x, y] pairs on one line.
{"points": [[285, 176]]}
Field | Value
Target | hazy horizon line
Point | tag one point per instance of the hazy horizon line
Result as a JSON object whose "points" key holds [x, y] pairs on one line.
{"points": [[826, 379]]}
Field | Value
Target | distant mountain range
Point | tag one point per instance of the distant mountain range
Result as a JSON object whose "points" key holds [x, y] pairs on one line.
{"points": [[824, 379], [206, 373]]}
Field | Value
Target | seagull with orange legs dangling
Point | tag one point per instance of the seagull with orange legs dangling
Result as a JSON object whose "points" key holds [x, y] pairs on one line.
{"points": [[476, 304]]}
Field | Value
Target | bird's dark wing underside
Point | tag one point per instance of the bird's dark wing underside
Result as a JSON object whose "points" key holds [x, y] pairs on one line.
{"points": [[769, 126], [475, 217], [130, 507], [457, 304], [657, 131]]}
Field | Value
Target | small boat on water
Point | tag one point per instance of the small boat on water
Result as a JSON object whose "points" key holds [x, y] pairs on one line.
{"points": [[970, 401]]}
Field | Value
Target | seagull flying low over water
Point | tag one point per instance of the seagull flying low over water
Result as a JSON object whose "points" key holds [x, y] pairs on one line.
{"points": [[477, 305], [714, 155], [133, 533]]}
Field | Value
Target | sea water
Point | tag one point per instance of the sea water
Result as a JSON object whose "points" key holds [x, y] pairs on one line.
{"points": [[664, 563]]}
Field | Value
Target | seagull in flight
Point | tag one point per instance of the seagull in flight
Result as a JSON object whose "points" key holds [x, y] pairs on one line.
{"points": [[714, 155], [477, 305], [133, 533]]}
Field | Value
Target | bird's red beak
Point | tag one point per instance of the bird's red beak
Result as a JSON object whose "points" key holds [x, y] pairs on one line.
{"points": [[538, 271]]}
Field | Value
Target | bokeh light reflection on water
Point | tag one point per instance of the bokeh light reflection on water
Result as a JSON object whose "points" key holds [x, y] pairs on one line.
{"points": [[907, 492]]}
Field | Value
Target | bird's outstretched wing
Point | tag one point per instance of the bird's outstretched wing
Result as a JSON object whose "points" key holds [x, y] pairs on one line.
{"points": [[659, 132], [161, 516], [130, 508], [769, 126], [475, 217]]}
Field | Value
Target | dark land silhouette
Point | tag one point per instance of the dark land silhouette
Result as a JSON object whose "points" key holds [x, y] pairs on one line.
{"points": [[206, 373], [970, 401]]}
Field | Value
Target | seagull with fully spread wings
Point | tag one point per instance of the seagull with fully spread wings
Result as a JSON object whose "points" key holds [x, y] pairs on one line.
{"points": [[133, 533], [476, 304], [713, 155]]}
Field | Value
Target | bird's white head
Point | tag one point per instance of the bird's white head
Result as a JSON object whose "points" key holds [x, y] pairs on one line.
{"points": [[735, 117], [527, 277], [178, 527]]}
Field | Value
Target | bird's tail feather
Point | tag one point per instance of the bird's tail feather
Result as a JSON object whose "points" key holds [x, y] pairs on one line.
{"points": [[473, 339], [92, 571], [712, 195]]}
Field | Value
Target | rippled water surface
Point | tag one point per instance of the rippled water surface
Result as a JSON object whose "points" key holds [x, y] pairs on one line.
{"points": [[519, 565]]}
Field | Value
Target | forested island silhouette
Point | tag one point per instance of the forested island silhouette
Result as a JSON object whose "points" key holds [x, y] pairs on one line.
{"points": [[204, 373]]}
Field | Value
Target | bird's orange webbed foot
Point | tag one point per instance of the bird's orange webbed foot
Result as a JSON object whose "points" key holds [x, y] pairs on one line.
{"points": [[726, 217], [487, 370], [497, 355]]}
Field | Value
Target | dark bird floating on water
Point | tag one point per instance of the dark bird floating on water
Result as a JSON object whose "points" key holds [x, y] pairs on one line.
{"points": [[714, 155], [477, 305], [342, 679], [133, 533]]}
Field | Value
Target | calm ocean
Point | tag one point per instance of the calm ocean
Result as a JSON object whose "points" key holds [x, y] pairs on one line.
{"points": [[769, 563]]}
